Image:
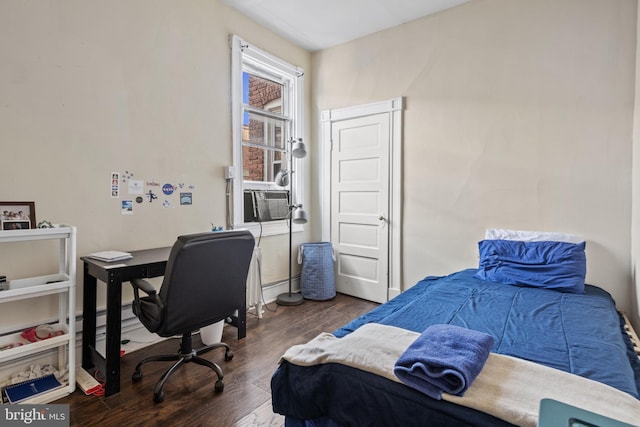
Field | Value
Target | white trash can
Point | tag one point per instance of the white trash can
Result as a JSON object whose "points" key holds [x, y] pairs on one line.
{"points": [[212, 334]]}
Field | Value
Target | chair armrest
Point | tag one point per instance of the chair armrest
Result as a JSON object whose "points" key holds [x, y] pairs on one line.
{"points": [[149, 309], [144, 286]]}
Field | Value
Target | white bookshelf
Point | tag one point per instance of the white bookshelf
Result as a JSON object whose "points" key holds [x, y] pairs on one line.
{"points": [[63, 284]]}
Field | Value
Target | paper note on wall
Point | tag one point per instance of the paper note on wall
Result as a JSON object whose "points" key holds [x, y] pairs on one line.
{"points": [[136, 186]]}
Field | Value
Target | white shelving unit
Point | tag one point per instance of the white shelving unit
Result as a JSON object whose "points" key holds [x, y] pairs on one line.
{"points": [[64, 285]]}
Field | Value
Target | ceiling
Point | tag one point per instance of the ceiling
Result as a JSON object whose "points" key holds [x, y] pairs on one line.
{"points": [[319, 24]]}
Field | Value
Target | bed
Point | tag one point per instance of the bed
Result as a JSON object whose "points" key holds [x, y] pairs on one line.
{"points": [[574, 335]]}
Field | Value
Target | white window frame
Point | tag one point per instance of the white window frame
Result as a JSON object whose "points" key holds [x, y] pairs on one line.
{"points": [[246, 57]]}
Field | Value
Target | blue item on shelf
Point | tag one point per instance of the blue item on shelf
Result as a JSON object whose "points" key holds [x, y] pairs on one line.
{"points": [[30, 388]]}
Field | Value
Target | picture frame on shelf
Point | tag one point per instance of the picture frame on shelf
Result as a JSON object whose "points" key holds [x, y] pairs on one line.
{"points": [[17, 215]]}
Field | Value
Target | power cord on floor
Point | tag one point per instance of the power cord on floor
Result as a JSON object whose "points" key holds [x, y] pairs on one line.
{"points": [[98, 390], [264, 303]]}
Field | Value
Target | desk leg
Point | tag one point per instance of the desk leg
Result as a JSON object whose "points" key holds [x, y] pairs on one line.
{"points": [[112, 352], [88, 318], [240, 321]]}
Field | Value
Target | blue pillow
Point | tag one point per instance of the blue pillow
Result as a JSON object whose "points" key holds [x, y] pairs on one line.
{"points": [[560, 266]]}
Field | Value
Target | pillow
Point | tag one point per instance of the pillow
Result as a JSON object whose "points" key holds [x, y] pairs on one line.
{"points": [[560, 266], [530, 236]]}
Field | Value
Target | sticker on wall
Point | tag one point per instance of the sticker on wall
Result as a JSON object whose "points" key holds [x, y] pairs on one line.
{"points": [[186, 198], [126, 176], [115, 184], [151, 196], [127, 207], [139, 199], [167, 204], [192, 187], [136, 186], [168, 189], [153, 183]]}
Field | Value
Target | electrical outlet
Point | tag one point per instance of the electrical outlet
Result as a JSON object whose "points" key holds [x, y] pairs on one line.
{"points": [[229, 172]]}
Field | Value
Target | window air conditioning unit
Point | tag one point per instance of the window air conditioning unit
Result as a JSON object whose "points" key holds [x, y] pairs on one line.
{"points": [[265, 205]]}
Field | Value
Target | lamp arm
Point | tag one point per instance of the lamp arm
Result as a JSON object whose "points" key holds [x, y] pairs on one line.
{"points": [[292, 172]]}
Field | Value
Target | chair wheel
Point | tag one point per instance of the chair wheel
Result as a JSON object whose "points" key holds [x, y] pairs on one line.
{"points": [[219, 386], [158, 397], [136, 376], [228, 355]]}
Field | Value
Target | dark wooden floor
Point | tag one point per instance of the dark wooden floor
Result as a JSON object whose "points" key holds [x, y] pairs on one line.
{"points": [[189, 396]]}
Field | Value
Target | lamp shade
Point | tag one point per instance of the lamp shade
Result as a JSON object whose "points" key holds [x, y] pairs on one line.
{"points": [[282, 178], [298, 149], [299, 215]]}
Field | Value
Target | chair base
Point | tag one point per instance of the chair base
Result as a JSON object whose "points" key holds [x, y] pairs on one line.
{"points": [[186, 355]]}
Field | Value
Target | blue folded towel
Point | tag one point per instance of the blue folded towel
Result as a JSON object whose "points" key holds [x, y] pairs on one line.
{"points": [[444, 358]]}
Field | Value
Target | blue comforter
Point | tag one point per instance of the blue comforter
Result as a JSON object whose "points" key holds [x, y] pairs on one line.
{"points": [[577, 333]]}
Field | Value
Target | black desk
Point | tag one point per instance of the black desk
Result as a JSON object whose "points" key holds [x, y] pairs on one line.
{"points": [[144, 264]]}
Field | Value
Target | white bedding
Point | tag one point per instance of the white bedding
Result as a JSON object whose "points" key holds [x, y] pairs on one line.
{"points": [[531, 236], [508, 388]]}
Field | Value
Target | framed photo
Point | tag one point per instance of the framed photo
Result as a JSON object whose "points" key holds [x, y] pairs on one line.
{"points": [[17, 215]]}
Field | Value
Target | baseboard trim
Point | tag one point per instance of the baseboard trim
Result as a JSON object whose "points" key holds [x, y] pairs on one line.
{"points": [[271, 291], [394, 292]]}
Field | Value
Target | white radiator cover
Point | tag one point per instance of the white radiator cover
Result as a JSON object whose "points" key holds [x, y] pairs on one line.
{"points": [[254, 283]]}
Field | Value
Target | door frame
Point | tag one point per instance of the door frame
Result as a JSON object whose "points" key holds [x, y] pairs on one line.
{"points": [[395, 109]]}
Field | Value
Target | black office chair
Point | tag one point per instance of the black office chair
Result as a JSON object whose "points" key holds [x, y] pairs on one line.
{"points": [[204, 283]]}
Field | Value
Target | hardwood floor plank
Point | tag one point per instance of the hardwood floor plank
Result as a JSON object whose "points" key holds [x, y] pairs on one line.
{"points": [[189, 394]]}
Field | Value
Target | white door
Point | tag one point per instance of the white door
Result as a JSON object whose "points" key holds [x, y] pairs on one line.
{"points": [[360, 205], [360, 196]]}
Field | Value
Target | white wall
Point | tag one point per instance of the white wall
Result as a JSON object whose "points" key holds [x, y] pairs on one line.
{"points": [[519, 115], [88, 87], [635, 220]]}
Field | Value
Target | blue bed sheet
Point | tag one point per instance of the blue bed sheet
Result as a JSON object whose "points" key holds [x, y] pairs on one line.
{"points": [[577, 333]]}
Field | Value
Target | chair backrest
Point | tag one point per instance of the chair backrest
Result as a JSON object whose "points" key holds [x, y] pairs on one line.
{"points": [[205, 280]]}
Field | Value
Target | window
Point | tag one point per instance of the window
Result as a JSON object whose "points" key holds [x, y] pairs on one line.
{"points": [[267, 105]]}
